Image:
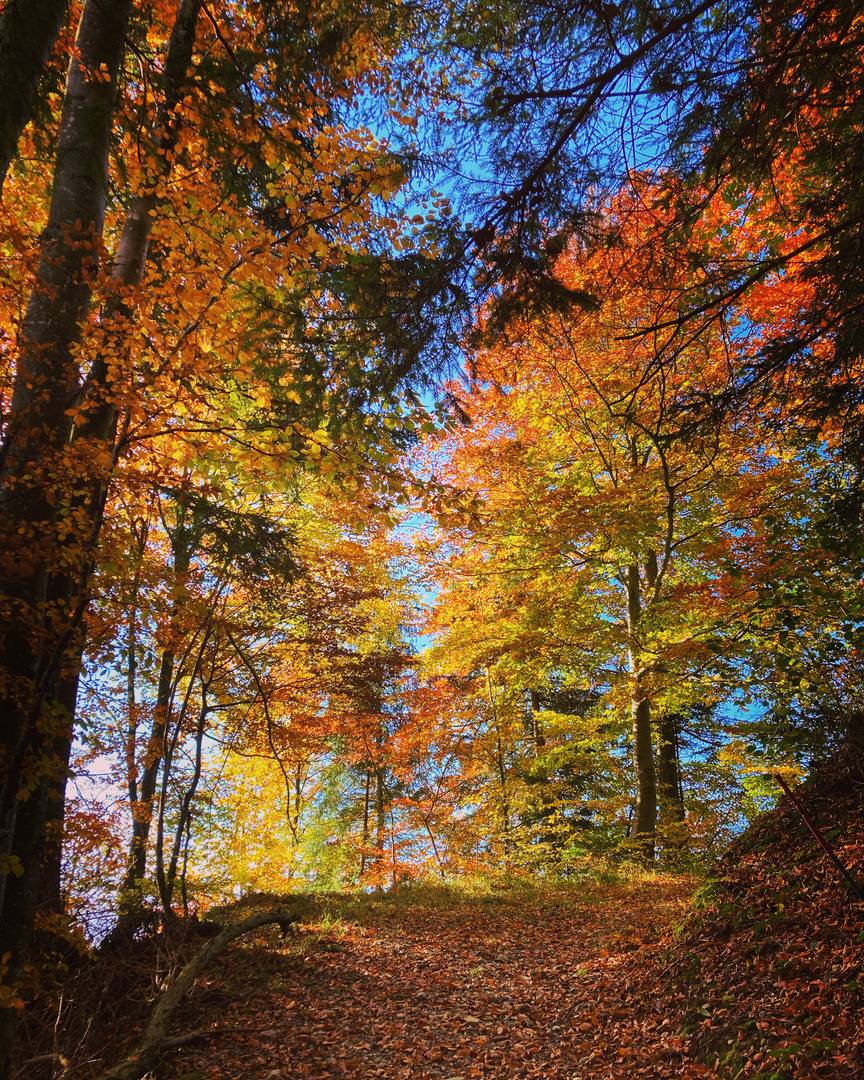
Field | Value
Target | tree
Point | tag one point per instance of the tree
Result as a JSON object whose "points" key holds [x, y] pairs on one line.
{"points": [[214, 144], [618, 551], [39, 427]]}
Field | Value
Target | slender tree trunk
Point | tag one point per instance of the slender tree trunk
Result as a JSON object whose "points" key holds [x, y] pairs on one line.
{"points": [[504, 805], [51, 889], [184, 818], [299, 784], [158, 846], [380, 829], [131, 689], [184, 895], [392, 844], [669, 771], [131, 702], [28, 30], [366, 807], [644, 825]]}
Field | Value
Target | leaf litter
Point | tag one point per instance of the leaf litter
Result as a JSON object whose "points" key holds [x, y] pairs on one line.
{"points": [[757, 976], [510, 988]]}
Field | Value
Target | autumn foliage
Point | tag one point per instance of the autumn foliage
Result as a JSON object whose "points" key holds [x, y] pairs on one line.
{"points": [[418, 466]]}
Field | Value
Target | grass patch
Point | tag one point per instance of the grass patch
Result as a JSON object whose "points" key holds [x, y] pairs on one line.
{"points": [[333, 915]]}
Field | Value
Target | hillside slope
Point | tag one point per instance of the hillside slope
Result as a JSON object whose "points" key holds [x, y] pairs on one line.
{"points": [[771, 966]]}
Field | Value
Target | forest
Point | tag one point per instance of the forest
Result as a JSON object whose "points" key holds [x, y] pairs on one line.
{"points": [[431, 503]]}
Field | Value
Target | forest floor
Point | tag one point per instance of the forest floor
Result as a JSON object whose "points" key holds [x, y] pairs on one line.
{"points": [[756, 972], [431, 984]]}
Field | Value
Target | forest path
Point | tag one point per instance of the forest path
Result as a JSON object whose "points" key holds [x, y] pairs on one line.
{"points": [[566, 987]]}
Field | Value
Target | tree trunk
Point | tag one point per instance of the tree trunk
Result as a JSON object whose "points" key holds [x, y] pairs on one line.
{"points": [[51, 889], [140, 533], [28, 30], [669, 785], [39, 477], [380, 829], [184, 818], [366, 801], [644, 825], [645, 812], [299, 785], [504, 804]]}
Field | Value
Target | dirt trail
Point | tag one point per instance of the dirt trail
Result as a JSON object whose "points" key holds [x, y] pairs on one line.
{"points": [[496, 989]]}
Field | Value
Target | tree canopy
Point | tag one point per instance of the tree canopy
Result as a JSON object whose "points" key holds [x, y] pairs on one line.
{"points": [[431, 442]]}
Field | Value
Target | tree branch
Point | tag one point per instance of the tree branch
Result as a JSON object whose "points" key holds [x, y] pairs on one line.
{"points": [[155, 1041]]}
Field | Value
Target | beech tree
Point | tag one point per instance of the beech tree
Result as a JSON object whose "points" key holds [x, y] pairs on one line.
{"points": [[606, 533]]}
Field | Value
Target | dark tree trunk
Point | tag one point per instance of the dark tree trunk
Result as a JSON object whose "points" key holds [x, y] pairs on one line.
{"points": [[51, 888], [39, 476], [669, 786], [645, 813], [366, 800], [28, 30], [644, 824]]}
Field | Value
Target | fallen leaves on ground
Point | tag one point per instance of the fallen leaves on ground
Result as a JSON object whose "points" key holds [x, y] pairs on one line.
{"points": [[761, 977], [488, 989], [770, 971]]}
